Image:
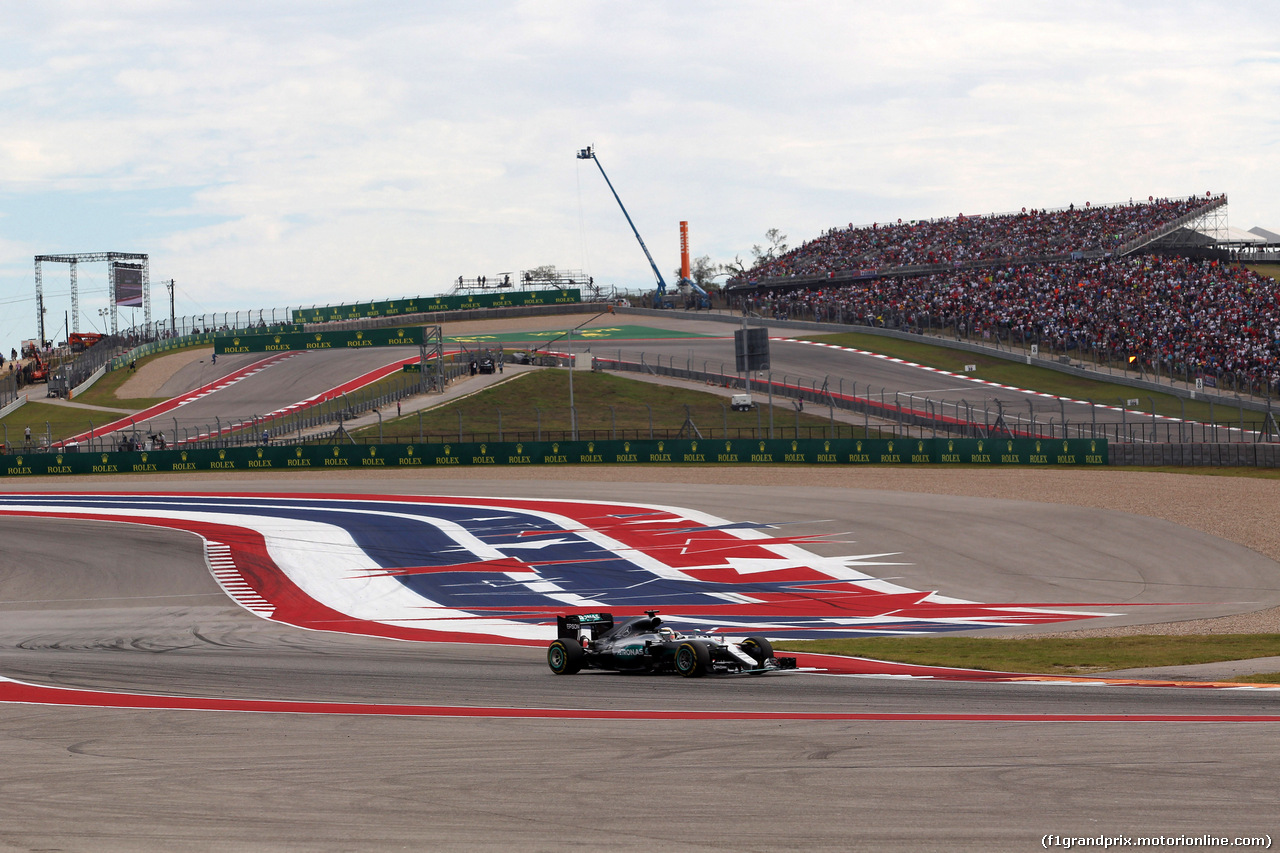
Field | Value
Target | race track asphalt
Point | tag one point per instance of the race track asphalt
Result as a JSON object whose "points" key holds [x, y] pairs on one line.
{"points": [[117, 607]]}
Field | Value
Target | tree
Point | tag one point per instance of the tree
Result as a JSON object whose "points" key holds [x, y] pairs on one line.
{"points": [[736, 268], [777, 246], [702, 271], [546, 272]]}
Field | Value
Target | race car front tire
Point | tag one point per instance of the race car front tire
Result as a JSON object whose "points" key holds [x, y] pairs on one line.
{"points": [[564, 656], [759, 648], [693, 659]]}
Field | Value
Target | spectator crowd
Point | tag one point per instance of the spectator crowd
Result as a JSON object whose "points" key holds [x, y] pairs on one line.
{"points": [[1030, 233], [1191, 317], [1174, 314]]}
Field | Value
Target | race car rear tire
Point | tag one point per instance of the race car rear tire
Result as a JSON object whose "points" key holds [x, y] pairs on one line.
{"points": [[759, 648], [564, 656], [693, 659]]}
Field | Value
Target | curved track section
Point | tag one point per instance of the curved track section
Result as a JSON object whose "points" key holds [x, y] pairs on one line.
{"points": [[484, 749], [895, 383], [500, 569], [163, 631], [357, 569]]}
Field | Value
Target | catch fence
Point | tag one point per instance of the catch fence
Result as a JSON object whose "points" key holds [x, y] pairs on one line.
{"points": [[904, 414]]}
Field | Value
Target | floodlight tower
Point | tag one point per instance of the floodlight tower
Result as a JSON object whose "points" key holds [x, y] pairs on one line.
{"points": [[589, 153]]}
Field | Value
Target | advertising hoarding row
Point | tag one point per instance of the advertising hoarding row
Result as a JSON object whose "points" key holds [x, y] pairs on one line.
{"points": [[433, 304], [900, 451], [389, 336]]}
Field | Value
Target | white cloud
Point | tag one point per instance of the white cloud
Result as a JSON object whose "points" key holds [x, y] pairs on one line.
{"points": [[290, 152]]}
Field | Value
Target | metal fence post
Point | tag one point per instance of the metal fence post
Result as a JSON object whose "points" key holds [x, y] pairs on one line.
{"points": [[771, 403]]}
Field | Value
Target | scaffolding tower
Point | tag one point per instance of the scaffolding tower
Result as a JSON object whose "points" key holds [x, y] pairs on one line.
{"points": [[115, 259]]}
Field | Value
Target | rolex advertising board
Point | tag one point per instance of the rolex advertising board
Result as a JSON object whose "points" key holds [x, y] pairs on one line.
{"points": [[388, 336], [683, 451], [434, 304]]}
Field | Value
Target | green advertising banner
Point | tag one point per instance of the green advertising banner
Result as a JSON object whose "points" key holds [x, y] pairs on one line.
{"points": [[900, 451], [435, 304], [345, 339]]}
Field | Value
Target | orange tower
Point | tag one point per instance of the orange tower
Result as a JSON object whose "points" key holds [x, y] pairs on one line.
{"points": [[684, 250]]}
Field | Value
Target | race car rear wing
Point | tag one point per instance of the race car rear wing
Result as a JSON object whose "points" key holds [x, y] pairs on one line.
{"points": [[574, 624]]}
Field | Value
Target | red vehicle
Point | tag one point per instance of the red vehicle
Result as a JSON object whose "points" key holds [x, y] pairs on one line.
{"points": [[37, 370], [81, 341]]}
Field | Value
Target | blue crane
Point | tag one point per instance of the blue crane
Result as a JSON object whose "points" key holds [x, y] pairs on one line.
{"points": [[589, 153]]}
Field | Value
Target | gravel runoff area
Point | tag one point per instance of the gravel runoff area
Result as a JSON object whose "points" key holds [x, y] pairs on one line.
{"points": [[147, 379]]}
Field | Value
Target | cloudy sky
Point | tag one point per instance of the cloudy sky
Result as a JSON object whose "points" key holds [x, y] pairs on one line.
{"points": [[271, 154]]}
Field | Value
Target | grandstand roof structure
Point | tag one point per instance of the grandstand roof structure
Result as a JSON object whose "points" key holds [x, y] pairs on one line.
{"points": [[1228, 236]]}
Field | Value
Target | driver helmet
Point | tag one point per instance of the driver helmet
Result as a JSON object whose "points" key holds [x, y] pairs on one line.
{"points": [[666, 633]]}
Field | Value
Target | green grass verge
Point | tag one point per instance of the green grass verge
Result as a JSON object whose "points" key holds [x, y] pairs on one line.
{"points": [[1050, 656], [603, 401], [1269, 270], [59, 422], [47, 419]]}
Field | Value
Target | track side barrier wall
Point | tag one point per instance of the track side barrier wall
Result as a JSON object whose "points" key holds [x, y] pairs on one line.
{"points": [[1241, 455], [939, 451]]}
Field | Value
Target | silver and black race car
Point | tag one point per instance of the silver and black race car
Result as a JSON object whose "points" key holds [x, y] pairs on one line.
{"points": [[645, 644]]}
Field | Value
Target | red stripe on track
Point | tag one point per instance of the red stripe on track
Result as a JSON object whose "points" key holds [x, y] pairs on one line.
{"points": [[260, 572], [170, 405], [16, 692]]}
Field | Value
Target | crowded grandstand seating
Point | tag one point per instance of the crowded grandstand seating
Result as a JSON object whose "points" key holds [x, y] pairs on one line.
{"points": [[1048, 277], [1192, 317], [1086, 229]]}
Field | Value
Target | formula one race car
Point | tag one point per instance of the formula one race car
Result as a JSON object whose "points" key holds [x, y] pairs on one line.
{"points": [[644, 644]]}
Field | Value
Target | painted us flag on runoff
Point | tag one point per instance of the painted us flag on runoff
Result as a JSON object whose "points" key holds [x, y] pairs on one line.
{"points": [[500, 569]]}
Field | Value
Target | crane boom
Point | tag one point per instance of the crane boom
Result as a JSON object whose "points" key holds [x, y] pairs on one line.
{"points": [[589, 153]]}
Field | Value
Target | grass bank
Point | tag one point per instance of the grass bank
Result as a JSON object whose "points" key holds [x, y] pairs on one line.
{"points": [[57, 422], [606, 406], [1052, 655]]}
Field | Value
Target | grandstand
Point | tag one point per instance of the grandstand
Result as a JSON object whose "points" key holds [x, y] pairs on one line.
{"points": [[1154, 283]]}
